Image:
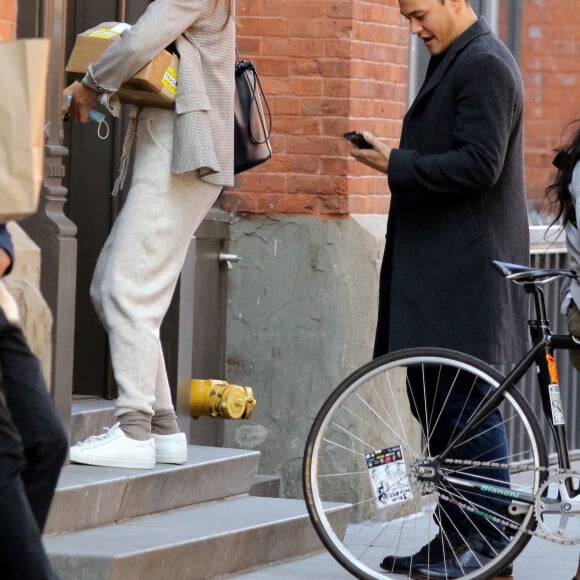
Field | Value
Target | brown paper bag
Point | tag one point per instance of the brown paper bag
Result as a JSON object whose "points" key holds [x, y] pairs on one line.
{"points": [[24, 66]]}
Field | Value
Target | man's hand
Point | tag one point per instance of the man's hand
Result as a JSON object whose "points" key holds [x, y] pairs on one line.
{"points": [[377, 157], [5, 261], [82, 101]]}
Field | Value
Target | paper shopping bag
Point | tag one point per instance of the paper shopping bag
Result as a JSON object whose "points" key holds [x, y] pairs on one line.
{"points": [[23, 80]]}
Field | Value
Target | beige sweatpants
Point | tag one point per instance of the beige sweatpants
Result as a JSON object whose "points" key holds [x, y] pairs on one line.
{"points": [[140, 263]]}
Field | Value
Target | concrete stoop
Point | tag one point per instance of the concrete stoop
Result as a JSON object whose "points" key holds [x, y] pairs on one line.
{"points": [[192, 543], [201, 520]]}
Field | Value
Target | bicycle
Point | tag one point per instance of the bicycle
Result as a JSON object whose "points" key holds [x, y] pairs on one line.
{"points": [[373, 489]]}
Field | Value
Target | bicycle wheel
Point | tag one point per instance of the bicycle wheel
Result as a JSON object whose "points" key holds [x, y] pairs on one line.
{"points": [[372, 482]]}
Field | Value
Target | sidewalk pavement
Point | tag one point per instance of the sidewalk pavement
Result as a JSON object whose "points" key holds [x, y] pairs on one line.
{"points": [[540, 560]]}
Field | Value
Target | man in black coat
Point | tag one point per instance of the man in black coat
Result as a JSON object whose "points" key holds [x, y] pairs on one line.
{"points": [[457, 203]]}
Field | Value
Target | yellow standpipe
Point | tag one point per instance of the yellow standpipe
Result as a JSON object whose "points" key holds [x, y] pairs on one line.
{"points": [[215, 399]]}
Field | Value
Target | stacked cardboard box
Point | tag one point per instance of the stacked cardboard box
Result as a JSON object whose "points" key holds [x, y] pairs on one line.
{"points": [[154, 85]]}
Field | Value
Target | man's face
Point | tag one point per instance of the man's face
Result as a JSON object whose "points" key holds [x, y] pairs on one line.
{"points": [[434, 23]]}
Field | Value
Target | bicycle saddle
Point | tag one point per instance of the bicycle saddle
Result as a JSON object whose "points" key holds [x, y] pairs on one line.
{"points": [[519, 273]]}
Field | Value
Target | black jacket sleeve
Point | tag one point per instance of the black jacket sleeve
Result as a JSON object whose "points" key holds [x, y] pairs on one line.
{"points": [[487, 103]]}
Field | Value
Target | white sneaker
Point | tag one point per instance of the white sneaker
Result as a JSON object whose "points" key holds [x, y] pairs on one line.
{"points": [[170, 448], [114, 449]]}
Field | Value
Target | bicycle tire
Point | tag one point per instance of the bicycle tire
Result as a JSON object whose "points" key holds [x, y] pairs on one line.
{"points": [[366, 413]]}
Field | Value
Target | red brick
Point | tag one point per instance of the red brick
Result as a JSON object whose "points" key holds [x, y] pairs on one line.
{"points": [[8, 9], [367, 204]]}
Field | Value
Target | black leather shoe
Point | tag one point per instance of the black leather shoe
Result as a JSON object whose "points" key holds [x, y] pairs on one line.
{"points": [[460, 565], [432, 552]]}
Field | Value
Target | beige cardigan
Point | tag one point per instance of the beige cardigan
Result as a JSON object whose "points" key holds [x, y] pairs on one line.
{"points": [[204, 106]]}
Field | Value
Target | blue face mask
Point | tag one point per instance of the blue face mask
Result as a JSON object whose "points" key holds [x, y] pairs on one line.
{"points": [[98, 117]]}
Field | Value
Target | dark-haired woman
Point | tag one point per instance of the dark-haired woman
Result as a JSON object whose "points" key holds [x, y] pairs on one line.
{"points": [[564, 194], [183, 158]]}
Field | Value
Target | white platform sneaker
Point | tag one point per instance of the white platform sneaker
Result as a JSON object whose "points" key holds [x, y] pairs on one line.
{"points": [[114, 449], [170, 448]]}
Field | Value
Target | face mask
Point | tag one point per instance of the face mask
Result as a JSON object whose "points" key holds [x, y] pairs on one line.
{"points": [[112, 104]]}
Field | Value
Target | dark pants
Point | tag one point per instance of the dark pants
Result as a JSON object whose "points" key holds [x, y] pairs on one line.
{"points": [[443, 408], [33, 447]]}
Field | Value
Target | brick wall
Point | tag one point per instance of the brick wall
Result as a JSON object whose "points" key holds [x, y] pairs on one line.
{"points": [[327, 67], [330, 66], [550, 63], [7, 20]]}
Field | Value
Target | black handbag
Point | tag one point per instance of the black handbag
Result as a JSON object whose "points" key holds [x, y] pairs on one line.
{"points": [[252, 127]]}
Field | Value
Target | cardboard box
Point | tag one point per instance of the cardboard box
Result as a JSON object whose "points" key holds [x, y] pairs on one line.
{"points": [[154, 85]]}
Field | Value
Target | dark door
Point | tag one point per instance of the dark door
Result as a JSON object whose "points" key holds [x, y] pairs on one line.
{"points": [[91, 172], [91, 169]]}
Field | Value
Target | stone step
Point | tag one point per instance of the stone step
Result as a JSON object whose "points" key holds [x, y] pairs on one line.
{"points": [[200, 542], [266, 485], [89, 496], [89, 416]]}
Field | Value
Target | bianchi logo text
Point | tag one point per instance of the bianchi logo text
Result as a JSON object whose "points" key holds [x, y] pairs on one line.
{"points": [[500, 491]]}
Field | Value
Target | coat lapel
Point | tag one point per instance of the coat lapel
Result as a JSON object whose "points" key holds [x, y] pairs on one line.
{"points": [[479, 28]]}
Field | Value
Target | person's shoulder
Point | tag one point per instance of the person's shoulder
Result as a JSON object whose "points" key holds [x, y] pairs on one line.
{"points": [[575, 183], [486, 63], [488, 47], [487, 55]]}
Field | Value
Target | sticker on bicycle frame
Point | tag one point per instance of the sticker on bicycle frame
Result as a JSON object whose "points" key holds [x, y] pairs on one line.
{"points": [[552, 369], [556, 404], [388, 475]]}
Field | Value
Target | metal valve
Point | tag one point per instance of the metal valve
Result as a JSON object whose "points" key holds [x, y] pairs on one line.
{"points": [[215, 399], [228, 259]]}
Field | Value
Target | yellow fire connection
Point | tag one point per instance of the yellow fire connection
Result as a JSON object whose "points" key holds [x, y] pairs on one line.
{"points": [[211, 398]]}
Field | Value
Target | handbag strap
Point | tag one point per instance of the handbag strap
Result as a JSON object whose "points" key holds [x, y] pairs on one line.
{"points": [[259, 98], [263, 105]]}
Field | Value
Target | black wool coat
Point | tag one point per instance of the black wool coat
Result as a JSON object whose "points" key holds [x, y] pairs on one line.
{"points": [[458, 202]]}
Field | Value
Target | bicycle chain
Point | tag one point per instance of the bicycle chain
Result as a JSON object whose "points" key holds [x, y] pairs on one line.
{"points": [[552, 472]]}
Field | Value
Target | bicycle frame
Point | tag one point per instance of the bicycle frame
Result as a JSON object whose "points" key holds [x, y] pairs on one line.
{"points": [[542, 354]]}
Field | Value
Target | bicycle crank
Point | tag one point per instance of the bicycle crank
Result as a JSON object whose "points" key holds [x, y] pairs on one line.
{"points": [[557, 508]]}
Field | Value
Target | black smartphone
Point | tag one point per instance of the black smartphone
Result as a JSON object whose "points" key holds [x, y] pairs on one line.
{"points": [[357, 138]]}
